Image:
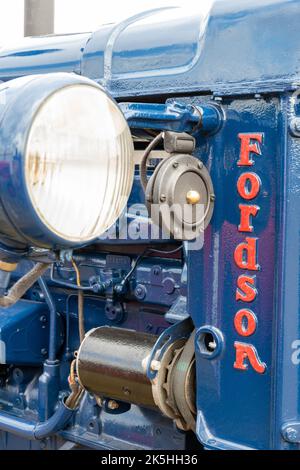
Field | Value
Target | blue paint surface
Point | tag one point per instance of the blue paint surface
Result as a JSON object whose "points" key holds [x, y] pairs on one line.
{"points": [[170, 50]]}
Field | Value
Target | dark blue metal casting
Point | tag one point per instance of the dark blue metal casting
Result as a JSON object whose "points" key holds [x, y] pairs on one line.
{"points": [[24, 334]]}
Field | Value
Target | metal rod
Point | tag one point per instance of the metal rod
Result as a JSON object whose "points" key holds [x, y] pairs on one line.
{"points": [[28, 430], [38, 17], [53, 319]]}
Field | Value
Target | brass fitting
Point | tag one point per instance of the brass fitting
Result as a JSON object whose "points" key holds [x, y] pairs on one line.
{"points": [[193, 197]]}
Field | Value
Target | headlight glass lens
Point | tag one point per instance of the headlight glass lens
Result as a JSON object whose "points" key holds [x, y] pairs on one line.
{"points": [[79, 165]]}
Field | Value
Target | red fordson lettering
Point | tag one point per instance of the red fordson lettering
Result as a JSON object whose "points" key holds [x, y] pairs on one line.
{"points": [[249, 145], [246, 255], [247, 212], [246, 290]]}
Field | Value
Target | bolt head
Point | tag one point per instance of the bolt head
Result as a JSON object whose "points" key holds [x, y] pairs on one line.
{"points": [[163, 198], [295, 127], [140, 292], [291, 434], [112, 405], [155, 365]]}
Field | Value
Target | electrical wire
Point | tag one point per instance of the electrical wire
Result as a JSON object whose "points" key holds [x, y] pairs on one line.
{"points": [[80, 303], [142, 255], [163, 252], [76, 390], [143, 164], [69, 285]]}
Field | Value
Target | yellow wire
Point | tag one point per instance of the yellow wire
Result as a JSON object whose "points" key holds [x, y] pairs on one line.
{"points": [[78, 280], [80, 304]]}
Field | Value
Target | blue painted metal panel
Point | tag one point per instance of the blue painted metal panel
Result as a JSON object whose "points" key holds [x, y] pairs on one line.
{"points": [[239, 409], [43, 55], [18, 326], [228, 47]]}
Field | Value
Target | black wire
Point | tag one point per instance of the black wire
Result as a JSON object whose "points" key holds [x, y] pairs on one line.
{"points": [[142, 255], [128, 275]]}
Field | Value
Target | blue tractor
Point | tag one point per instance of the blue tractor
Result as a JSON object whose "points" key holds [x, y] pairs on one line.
{"points": [[149, 233]]}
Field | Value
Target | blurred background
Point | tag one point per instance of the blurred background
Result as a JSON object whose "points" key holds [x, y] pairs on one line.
{"points": [[76, 15]]}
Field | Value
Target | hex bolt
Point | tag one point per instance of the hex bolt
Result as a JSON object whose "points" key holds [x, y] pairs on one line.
{"points": [[156, 271], [112, 405], [140, 292], [212, 197], [163, 198], [18, 402], [175, 165], [200, 165], [291, 434], [43, 444], [155, 365], [295, 127]]}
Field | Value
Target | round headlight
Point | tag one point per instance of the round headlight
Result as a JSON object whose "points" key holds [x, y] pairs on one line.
{"points": [[66, 160]]}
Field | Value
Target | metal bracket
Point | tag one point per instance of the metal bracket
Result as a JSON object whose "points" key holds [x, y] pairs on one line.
{"points": [[180, 330], [179, 142], [173, 116]]}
